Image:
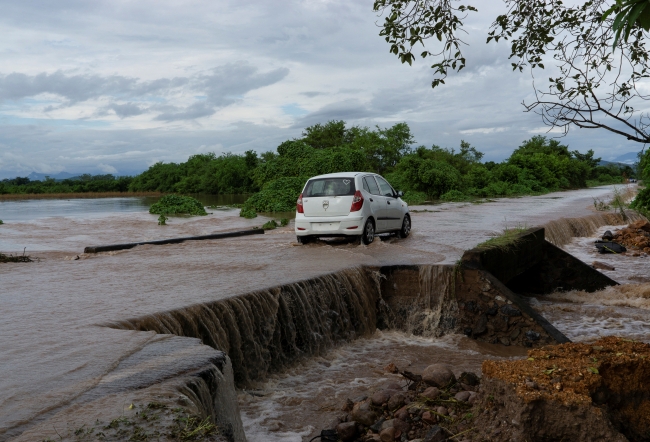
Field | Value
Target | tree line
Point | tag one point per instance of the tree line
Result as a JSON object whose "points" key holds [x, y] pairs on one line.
{"points": [[82, 184], [539, 165]]}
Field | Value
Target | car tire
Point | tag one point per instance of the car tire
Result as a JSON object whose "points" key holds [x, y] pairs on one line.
{"points": [[368, 234], [304, 239], [406, 227]]}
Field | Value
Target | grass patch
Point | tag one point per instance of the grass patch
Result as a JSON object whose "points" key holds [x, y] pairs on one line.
{"points": [[601, 205], [178, 205], [508, 238], [151, 422], [619, 202]]}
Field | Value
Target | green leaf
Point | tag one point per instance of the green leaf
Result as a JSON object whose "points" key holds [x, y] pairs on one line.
{"points": [[594, 370]]}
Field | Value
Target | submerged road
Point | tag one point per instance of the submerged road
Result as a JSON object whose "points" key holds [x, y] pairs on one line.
{"points": [[53, 347]]}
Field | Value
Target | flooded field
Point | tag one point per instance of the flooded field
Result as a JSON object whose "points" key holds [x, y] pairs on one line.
{"points": [[55, 345]]}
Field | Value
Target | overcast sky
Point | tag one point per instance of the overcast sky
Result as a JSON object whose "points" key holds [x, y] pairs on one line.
{"points": [[114, 86]]}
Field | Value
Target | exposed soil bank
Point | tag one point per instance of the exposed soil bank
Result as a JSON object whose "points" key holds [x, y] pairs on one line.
{"points": [[573, 392], [578, 392]]}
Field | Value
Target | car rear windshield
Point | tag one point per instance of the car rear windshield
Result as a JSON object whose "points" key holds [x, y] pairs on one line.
{"points": [[329, 187]]}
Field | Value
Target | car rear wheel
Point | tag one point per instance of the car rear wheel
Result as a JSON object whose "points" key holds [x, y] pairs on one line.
{"points": [[406, 227], [368, 234], [304, 239]]}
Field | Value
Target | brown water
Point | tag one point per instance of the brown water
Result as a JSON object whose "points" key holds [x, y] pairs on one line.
{"points": [[33, 209], [53, 348]]}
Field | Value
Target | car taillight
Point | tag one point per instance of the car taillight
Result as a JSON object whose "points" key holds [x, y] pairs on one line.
{"points": [[357, 202], [299, 207]]}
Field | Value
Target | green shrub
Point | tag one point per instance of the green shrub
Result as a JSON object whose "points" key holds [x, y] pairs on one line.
{"points": [[177, 205], [415, 197], [642, 200], [279, 195], [454, 195], [498, 188], [247, 212], [162, 220], [284, 222], [1, 222], [270, 225]]}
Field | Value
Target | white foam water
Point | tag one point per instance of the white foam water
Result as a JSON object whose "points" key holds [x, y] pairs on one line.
{"points": [[628, 267]]}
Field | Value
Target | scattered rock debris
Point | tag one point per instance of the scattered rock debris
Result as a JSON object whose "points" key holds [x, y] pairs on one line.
{"points": [[432, 406], [577, 392]]}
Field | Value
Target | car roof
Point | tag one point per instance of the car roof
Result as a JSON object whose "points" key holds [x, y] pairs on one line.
{"points": [[341, 175]]}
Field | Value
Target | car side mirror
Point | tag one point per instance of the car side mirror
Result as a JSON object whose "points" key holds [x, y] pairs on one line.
{"points": [[400, 194]]}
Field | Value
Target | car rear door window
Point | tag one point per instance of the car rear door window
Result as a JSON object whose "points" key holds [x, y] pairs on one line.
{"points": [[386, 190], [370, 185], [329, 187]]}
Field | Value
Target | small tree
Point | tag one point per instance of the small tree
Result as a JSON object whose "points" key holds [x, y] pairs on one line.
{"points": [[597, 46]]}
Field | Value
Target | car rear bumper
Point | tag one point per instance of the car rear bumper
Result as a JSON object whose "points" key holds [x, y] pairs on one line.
{"points": [[328, 225]]}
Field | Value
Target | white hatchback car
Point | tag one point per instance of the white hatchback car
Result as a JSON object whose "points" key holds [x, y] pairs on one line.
{"points": [[350, 204]]}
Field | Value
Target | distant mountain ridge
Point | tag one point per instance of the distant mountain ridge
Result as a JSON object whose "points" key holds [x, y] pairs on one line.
{"points": [[37, 176], [627, 158], [34, 176]]}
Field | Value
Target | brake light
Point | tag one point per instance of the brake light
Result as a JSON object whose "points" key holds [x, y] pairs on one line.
{"points": [[299, 207], [357, 202]]}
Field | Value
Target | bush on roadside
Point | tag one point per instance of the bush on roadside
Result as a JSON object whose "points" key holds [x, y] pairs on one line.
{"points": [[279, 195], [642, 201], [454, 195], [414, 197], [177, 205]]}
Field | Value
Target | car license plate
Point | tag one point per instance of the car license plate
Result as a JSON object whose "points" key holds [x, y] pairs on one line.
{"points": [[321, 227]]}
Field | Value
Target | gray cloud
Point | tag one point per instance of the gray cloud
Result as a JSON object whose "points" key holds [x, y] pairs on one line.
{"points": [[221, 87], [74, 88], [156, 61], [312, 94], [348, 110], [126, 109]]}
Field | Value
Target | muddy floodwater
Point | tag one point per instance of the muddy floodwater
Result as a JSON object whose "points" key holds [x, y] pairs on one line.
{"points": [[55, 346]]}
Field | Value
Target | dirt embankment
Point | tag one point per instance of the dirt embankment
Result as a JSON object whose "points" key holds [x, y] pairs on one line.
{"points": [[635, 236], [578, 392]]}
